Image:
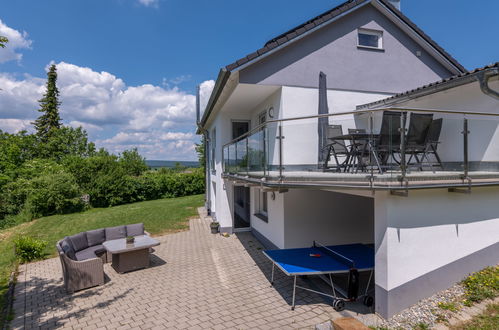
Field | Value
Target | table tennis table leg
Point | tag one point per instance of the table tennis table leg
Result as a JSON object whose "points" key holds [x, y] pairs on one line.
{"points": [[294, 293], [369, 282], [272, 278], [332, 285]]}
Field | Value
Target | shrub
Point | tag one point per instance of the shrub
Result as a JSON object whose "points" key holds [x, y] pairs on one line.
{"points": [[482, 285], [13, 197], [54, 194], [29, 248]]}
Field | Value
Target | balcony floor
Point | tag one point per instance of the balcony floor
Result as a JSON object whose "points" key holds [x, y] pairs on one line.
{"points": [[362, 179]]}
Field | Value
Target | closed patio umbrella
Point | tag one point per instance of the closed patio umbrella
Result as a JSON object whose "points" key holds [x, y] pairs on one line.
{"points": [[323, 121]]}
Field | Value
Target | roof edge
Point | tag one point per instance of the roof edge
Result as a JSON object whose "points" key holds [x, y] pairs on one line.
{"points": [[223, 76], [454, 81], [329, 16]]}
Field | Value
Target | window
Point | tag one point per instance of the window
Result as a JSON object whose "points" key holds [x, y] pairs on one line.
{"points": [[261, 205], [262, 117], [239, 128], [213, 146], [370, 39]]}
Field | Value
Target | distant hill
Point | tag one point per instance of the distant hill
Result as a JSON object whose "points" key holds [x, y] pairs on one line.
{"points": [[170, 163]]}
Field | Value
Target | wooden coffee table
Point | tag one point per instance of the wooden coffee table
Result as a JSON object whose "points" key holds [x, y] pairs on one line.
{"points": [[130, 256]]}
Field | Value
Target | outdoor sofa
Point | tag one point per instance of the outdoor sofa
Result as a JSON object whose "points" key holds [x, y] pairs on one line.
{"points": [[83, 256]]}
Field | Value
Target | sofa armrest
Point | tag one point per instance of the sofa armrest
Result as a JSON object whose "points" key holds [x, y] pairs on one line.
{"points": [[82, 274], [75, 263], [146, 233]]}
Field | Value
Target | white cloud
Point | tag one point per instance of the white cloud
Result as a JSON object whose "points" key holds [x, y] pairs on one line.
{"points": [[149, 3], [17, 41], [15, 125], [159, 121], [18, 97], [205, 90], [168, 83], [88, 127]]}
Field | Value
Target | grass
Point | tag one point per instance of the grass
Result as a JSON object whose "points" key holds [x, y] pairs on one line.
{"points": [[449, 306], [159, 217], [481, 285], [488, 320], [422, 326]]}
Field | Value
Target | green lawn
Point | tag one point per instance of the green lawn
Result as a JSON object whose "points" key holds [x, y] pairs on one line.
{"points": [[159, 216]]}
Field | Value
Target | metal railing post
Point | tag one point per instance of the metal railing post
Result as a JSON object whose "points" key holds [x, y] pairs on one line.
{"points": [[223, 160], [280, 151], [235, 155], [403, 165], [247, 155], [371, 150], [264, 161], [465, 148]]}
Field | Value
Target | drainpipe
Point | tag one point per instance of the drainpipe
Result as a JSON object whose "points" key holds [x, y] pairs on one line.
{"points": [[483, 79], [206, 138]]}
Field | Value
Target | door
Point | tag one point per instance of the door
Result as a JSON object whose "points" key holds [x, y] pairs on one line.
{"points": [[239, 128], [241, 194], [241, 208]]}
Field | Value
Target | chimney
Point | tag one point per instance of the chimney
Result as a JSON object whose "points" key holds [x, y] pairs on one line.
{"points": [[198, 105], [395, 3]]}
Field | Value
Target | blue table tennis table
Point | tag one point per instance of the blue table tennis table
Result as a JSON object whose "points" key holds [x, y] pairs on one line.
{"points": [[325, 260]]}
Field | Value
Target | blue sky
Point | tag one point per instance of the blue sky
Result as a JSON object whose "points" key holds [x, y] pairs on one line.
{"points": [[129, 68]]}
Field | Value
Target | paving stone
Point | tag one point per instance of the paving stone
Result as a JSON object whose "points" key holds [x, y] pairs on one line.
{"points": [[197, 280]]}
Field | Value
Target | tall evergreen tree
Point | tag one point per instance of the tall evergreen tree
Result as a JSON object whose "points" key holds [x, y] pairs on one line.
{"points": [[50, 120], [3, 41]]}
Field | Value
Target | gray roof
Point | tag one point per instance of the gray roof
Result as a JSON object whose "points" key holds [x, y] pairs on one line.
{"points": [[329, 15], [440, 83], [302, 29]]}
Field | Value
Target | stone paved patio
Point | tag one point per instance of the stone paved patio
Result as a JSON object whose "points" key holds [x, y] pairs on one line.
{"points": [[196, 281]]}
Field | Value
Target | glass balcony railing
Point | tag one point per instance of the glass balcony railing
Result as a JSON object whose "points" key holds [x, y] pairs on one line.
{"points": [[391, 148]]}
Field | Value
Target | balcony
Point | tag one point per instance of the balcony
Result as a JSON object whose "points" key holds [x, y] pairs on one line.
{"points": [[392, 148]]}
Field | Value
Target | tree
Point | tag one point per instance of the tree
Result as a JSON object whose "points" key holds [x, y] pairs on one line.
{"points": [[67, 141], [201, 153], [3, 41], [49, 121], [132, 162]]}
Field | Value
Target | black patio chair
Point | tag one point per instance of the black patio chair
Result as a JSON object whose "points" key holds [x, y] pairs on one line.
{"points": [[336, 148], [359, 151], [432, 141], [388, 142], [417, 136]]}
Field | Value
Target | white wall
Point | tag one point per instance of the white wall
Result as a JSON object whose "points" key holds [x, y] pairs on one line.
{"points": [[222, 197], [273, 230], [484, 130], [274, 101], [300, 145], [430, 229], [327, 217]]}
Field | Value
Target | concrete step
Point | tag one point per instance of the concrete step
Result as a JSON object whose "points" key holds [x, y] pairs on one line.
{"points": [[348, 323]]}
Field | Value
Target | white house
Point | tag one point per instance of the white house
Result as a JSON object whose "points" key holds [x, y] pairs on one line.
{"points": [[431, 222]]}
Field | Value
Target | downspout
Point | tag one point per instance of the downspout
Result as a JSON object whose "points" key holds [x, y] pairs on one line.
{"points": [[483, 79], [204, 132]]}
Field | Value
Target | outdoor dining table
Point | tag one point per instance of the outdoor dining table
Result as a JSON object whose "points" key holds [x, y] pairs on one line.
{"points": [[364, 139], [130, 256]]}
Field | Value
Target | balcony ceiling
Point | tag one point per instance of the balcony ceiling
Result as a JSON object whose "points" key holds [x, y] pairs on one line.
{"points": [[467, 97], [246, 97]]}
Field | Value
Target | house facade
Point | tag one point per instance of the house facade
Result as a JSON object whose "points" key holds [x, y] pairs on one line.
{"points": [[265, 165]]}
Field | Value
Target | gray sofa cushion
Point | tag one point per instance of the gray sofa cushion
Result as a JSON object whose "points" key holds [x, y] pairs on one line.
{"points": [[115, 232], [96, 237], [90, 252], [135, 229], [79, 241], [67, 248]]}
